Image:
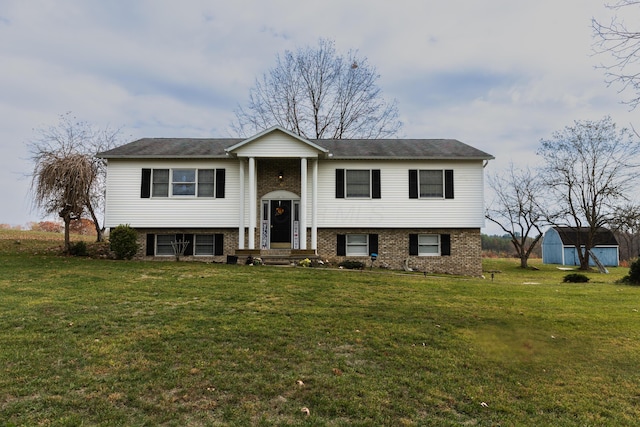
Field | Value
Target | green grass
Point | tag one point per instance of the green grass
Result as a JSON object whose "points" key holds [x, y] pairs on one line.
{"points": [[98, 342]]}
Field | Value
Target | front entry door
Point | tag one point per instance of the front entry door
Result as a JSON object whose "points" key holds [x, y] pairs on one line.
{"points": [[280, 224]]}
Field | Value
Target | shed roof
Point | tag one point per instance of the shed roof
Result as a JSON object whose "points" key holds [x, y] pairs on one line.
{"points": [[573, 235]]}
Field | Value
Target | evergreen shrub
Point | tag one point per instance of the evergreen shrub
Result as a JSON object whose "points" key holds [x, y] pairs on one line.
{"points": [[123, 241]]}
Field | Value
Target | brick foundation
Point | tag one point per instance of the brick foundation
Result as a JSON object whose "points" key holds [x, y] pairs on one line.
{"points": [[393, 248], [230, 242]]}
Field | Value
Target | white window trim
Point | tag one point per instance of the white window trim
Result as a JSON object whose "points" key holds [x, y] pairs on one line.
{"points": [[185, 196], [349, 245]]}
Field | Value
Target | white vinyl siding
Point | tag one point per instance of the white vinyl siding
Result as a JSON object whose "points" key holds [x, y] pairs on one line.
{"points": [[276, 144], [125, 206], [395, 209]]}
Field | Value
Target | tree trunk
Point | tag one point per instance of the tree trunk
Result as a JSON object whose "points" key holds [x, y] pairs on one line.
{"points": [[67, 237], [584, 260], [524, 261], [99, 230]]}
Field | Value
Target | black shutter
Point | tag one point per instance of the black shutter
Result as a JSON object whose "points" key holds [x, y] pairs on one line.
{"points": [[445, 244], [339, 183], [375, 184], [145, 186], [219, 244], [448, 184], [413, 183], [189, 238], [342, 245], [373, 244], [413, 244], [151, 244], [220, 178]]}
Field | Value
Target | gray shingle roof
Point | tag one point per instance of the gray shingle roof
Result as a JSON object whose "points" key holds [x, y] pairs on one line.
{"points": [[161, 148], [436, 149], [444, 149]]}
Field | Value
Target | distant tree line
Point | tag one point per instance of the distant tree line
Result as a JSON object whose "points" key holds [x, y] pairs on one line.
{"points": [[502, 246]]}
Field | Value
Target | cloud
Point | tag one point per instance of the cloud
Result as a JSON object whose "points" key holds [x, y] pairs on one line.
{"points": [[497, 74], [441, 89]]}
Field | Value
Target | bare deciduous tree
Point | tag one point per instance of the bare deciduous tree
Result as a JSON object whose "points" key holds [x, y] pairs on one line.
{"points": [[61, 186], [515, 209], [589, 170], [623, 45], [68, 179], [626, 224], [318, 93]]}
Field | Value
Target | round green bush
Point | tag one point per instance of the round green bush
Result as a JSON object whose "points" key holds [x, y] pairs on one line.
{"points": [[575, 278], [123, 242], [352, 265], [79, 249]]}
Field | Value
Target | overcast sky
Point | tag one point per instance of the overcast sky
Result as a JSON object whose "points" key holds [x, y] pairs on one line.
{"points": [[496, 74]]}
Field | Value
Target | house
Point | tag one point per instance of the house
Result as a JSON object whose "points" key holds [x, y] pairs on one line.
{"points": [[416, 202], [559, 246]]}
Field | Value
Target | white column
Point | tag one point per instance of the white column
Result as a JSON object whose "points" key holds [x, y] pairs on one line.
{"points": [[314, 205], [303, 203], [252, 203], [241, 210]]}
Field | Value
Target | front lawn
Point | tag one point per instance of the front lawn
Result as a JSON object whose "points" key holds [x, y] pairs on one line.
{"points": [[98, 342]]}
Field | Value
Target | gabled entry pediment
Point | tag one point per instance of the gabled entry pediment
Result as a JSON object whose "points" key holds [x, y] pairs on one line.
{"points": [[276, 142]]}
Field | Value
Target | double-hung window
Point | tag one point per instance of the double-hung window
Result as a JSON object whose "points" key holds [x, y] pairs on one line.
{"points": [[431, 184], [183, 182], [430, 244], [205, 244], [357, 244], [160, 185], [206, 186], [358, 183], [164, 244], [193, 244]]}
